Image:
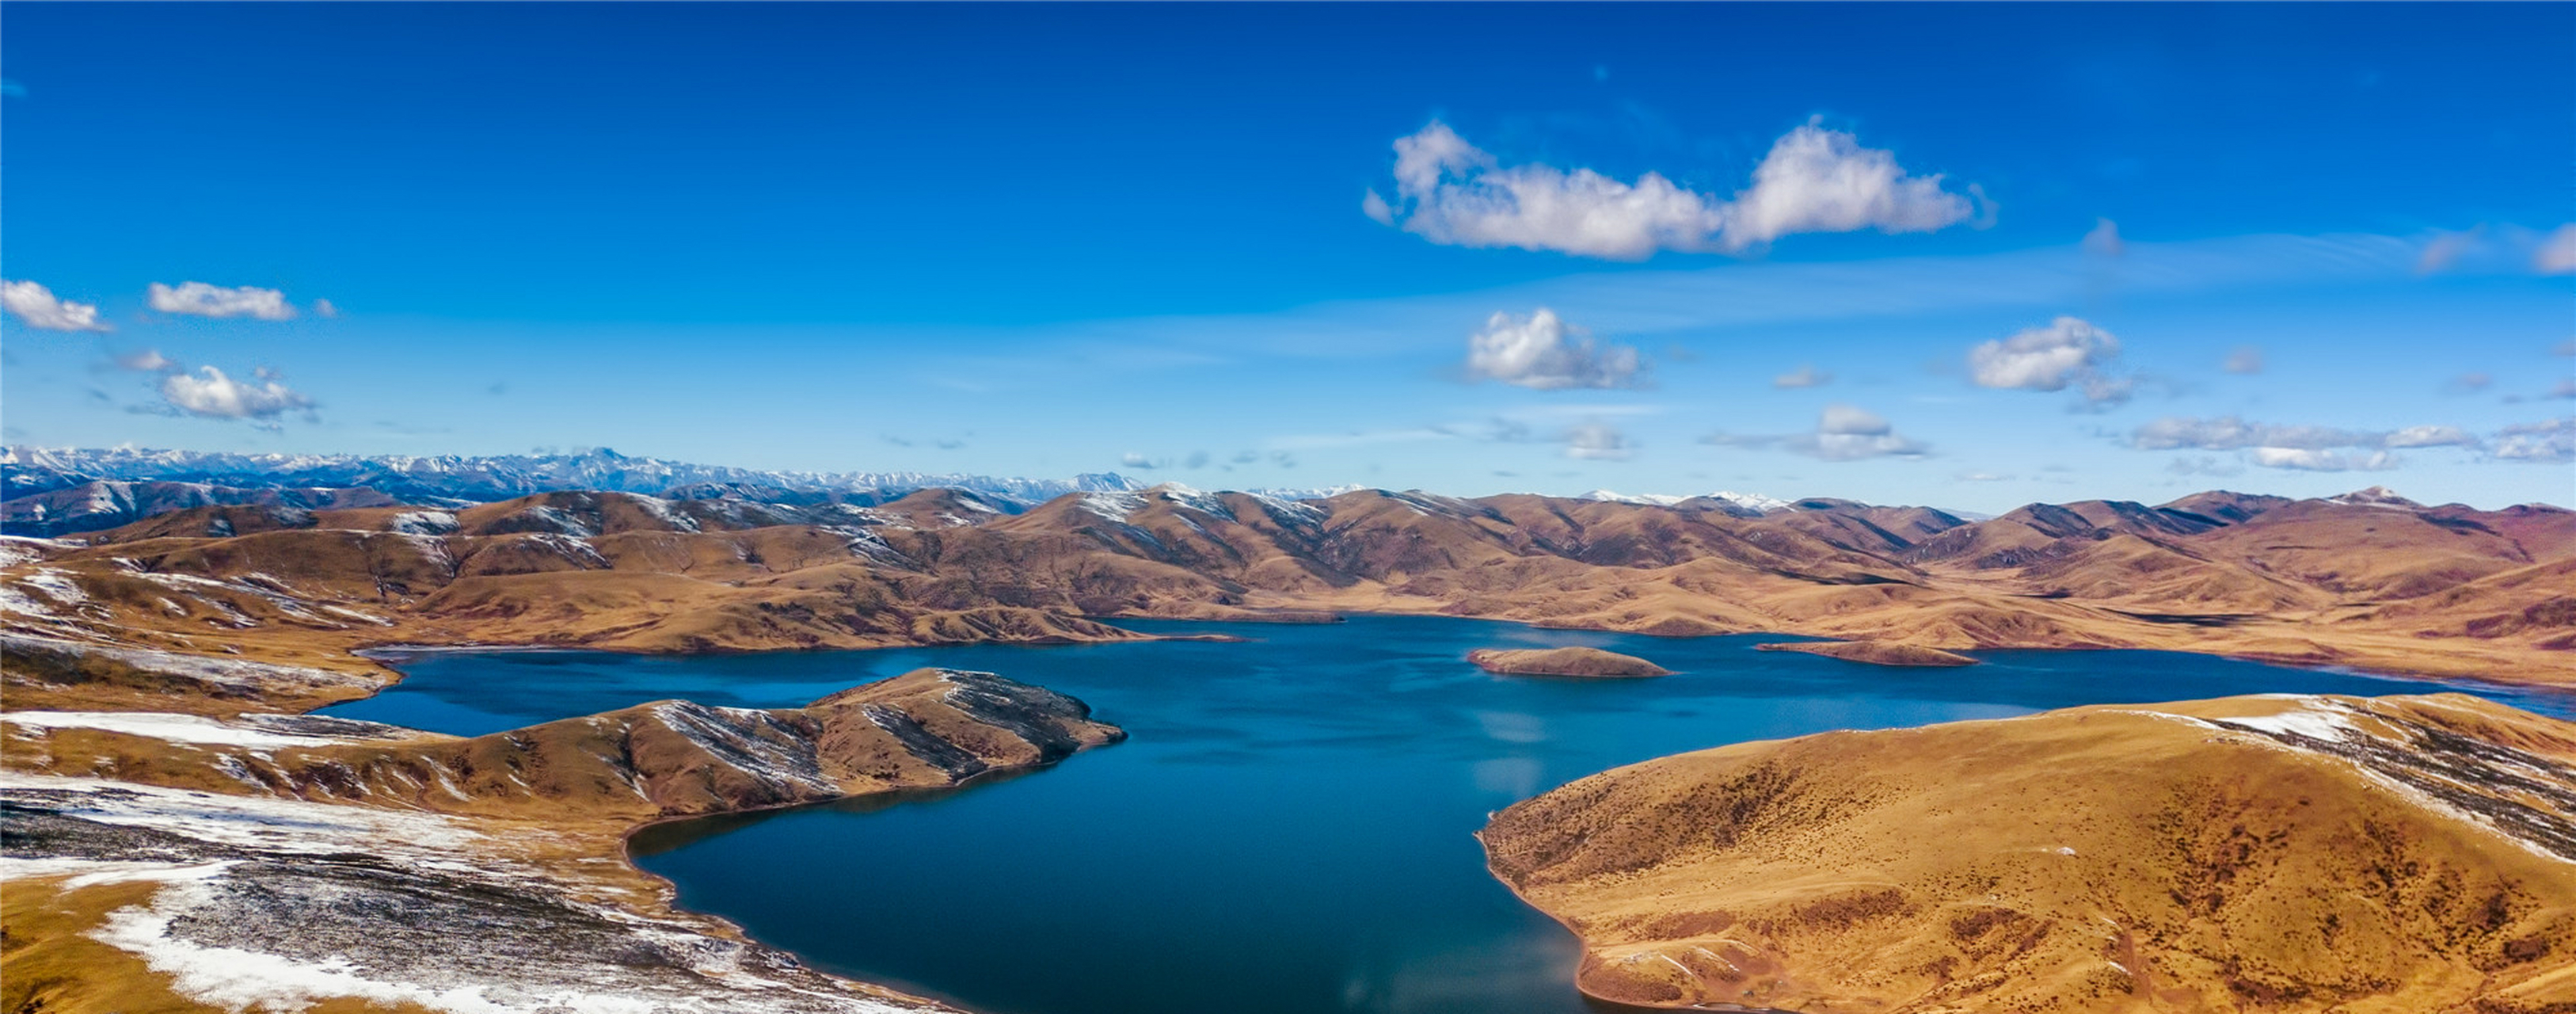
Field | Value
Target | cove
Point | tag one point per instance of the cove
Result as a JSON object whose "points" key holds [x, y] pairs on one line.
{"points": [[1288, 829]]}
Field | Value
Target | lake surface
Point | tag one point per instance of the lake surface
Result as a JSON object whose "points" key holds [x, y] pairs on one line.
{"points": [[1288, 829]]}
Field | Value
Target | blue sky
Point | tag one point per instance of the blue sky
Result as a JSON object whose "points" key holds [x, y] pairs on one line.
{"points": [[1047, 239]]}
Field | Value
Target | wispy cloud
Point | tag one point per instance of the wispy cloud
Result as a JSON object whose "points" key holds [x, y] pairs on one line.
{"points": [[1842, 433], [2246, 360], [1803, 376], [2228, 433], [2104, 240], [146, 361], [2307, 448], [2446, 248], [199, 299], [36, 306], [1814, 180], [2550, 442], [1598, 441], [2557, 252]]}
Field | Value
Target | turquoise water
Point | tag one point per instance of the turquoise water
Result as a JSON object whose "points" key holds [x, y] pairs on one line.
{"points": [[1288, 829]]}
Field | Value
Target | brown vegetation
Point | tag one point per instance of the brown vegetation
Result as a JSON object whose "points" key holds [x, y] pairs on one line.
{"points": [[1875, 652], [2444, 591], [1587, 662], [2305, 854]]}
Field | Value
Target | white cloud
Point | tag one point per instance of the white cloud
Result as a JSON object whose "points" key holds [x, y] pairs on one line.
{"points": [[203, 300], [2429, 436], [146, 361], [1846, 433], [2552, 442], [2070, 350], [2245, 360], [1842, 433], [36, 306], [1542, 351], [2104, 393], [1804, 376], [2566, 388], [2446, 248], [1137, 461], [1814, 180], [1376, 208], [325, 308], [1818, 180], [2104, 240], [210, 393], [2308, 448], [2229, 433], [2203, 465], [2557, 253], [2308, 459], [1596, 441]]}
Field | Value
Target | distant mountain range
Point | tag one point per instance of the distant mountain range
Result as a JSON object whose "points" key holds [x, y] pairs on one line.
{"points": [[52, 491]]}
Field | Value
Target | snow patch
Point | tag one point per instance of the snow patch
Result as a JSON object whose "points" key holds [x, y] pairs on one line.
{"points": [[231, 672], [18, 549], [276, 824], [2315, 719], [166, 726], [423, 523], [1751, 501], [1113, 506], [662, 512]]}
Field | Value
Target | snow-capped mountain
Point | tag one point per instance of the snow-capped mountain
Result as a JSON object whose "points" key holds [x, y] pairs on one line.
{"points": [[2375, 496], [1611, 496], [1754, 502], [440, 478], [1305, 492]]}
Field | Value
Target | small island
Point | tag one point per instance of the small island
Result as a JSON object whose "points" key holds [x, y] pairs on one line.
{"points": [[1875, 652], [1590, 663]]}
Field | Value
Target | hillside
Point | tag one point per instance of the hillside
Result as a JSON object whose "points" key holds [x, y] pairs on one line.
{"points": [[2444, 591], [272, 845], [2292, 854]]}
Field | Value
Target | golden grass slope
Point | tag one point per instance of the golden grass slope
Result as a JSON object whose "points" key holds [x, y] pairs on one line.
{"points": [[2402, 854], [928, 727]]}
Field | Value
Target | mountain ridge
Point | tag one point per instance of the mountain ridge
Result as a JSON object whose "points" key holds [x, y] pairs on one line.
{"points": [[2441, 591]]}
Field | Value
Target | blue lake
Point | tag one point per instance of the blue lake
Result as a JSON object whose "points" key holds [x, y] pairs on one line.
{"points": [[1288, 829]]}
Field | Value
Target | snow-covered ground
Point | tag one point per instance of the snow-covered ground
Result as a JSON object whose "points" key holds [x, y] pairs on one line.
{"points": [[276, 905]]}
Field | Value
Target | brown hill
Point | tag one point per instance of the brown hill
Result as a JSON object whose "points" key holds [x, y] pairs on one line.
{"points": [[501, 859], [2224, 507], [2374, 552], [1874, 652], [666, 758], [2294, 854], [2316, 581], [1576, 661]]}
